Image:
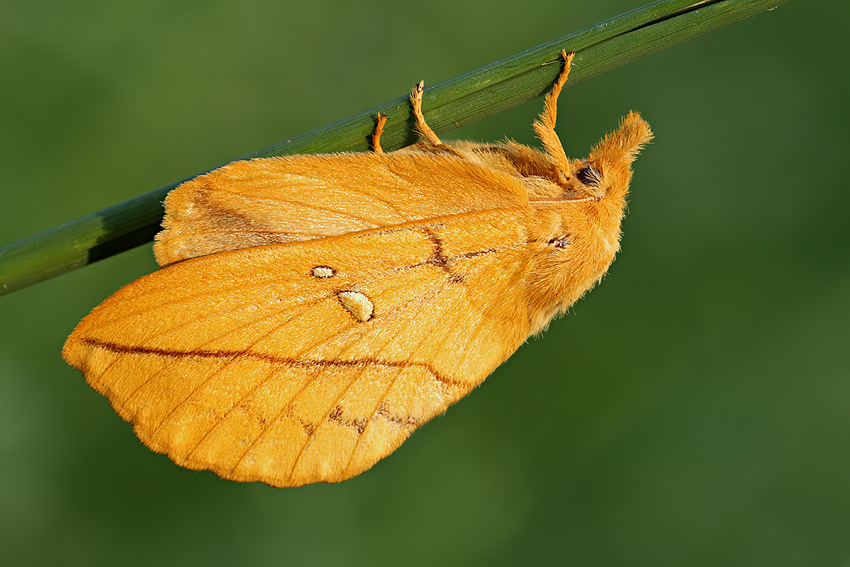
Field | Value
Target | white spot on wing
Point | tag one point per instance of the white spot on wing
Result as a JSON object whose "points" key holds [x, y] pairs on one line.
{"points": [[323, 272], [357, 304]]}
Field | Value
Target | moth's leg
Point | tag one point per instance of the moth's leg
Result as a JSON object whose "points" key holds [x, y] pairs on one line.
{"points": [[376, 135], [544, 126], [421, 127]]}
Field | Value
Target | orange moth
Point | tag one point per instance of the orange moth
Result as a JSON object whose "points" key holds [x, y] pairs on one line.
{"points": [[313, 310]]}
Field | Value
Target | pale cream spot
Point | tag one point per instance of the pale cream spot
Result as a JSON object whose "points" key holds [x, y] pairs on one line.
{"points": [[357, 304], [323, 272]]}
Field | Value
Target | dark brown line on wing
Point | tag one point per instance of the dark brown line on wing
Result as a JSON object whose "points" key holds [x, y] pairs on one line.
{"points": [[384, 411], [358, 424], [438, 258], [308, 363]]}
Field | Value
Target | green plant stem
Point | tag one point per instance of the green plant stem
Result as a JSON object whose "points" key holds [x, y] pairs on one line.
{"points": [[458, 101]]}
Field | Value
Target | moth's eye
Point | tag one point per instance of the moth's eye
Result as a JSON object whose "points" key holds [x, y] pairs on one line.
{"points": [[589, 176]]}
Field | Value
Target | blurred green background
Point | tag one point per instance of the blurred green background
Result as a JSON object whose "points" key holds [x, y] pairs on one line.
{"points": [[692, 410]]}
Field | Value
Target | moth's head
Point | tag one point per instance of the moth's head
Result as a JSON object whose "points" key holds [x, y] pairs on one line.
{"points": [[608, 169]]}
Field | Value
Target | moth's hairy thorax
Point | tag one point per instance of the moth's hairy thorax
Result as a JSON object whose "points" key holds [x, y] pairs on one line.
{"points": [[572, 239], [573, 246]]}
